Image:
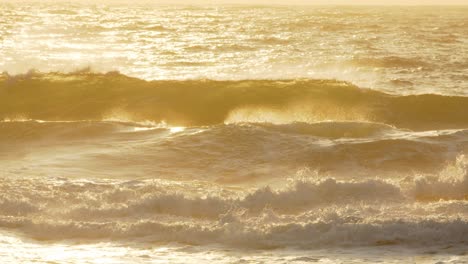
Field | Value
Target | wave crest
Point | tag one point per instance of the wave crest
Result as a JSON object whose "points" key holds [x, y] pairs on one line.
{"points": [[90, 96]]}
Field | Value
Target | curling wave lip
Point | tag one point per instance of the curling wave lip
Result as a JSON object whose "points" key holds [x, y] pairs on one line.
{"points": [[92, 96]]}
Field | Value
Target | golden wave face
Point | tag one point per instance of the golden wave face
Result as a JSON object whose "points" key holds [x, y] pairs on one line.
{"points": [[90, 96]]}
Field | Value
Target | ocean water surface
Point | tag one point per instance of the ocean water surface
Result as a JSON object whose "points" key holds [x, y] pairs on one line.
{"points": [[233, 134]]}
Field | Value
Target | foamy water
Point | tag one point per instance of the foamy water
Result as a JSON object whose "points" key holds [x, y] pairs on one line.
{"points": [[233, 134]]}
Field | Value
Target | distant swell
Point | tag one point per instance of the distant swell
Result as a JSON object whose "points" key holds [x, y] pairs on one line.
{"points": [[389, 62], [89, 96]]}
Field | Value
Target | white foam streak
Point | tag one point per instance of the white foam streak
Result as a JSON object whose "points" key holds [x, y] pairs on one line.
{"points": [[308, 212]]}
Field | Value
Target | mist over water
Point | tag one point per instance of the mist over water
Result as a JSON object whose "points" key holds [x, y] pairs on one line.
{"points": [[233, 134]]}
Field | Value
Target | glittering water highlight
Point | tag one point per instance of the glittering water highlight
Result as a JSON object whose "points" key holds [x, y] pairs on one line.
{"points": [[232, 134]]}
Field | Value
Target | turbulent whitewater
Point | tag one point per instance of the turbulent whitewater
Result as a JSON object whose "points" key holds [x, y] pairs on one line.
{"points": [[233, 134]]}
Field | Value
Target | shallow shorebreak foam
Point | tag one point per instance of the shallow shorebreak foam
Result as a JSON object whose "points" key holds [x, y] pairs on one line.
{"points": [[309, 212], [91, 96]]}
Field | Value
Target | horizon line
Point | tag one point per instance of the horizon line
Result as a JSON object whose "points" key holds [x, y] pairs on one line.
{"points": [[168, 3]]}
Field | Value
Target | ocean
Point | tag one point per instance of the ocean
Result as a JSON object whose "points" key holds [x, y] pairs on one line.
{"points": [[144, 133]]}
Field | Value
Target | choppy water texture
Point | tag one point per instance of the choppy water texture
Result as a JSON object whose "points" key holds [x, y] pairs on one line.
{"points": [[233, 134], [398, 49]]}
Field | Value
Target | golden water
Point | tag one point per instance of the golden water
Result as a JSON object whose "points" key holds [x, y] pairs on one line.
{"points": [[232, 134]]}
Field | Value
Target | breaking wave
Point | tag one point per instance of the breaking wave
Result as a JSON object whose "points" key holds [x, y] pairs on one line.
{"points": [[89, 96], [366, 212], [213, 162], [255, 234]]}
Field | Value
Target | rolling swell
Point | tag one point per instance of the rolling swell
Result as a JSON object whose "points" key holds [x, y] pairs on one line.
{"points": [[240, 153], [90, 96]]}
